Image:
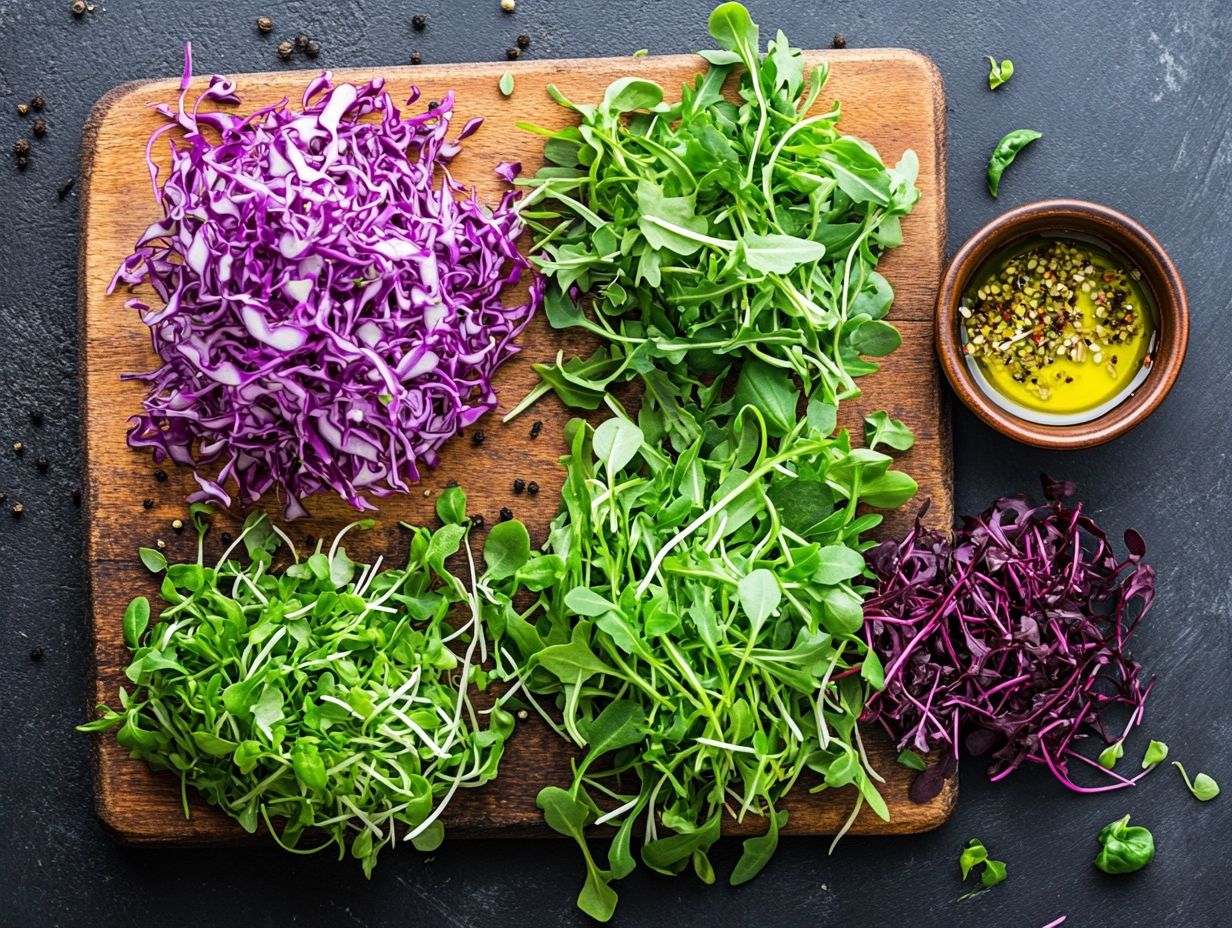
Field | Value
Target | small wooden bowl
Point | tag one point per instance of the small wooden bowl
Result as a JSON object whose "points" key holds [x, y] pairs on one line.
{"points": [[1123, 236]]}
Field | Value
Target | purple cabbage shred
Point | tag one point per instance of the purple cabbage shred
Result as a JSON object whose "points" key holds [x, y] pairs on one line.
{"points": [[1010, 638], [329, 299]]}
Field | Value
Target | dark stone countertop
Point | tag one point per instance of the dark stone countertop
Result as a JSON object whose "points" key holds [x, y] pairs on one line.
{"points": [[1135, 104]]}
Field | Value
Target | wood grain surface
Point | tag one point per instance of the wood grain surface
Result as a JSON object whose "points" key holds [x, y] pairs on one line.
{"points": [[892, 98]]}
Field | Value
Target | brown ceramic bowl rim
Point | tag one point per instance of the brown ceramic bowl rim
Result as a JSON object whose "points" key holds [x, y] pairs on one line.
{"points": [[1123, 235]]}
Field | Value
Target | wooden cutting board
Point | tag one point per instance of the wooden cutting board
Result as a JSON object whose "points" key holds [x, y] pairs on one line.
{"points": [[892, 98]]}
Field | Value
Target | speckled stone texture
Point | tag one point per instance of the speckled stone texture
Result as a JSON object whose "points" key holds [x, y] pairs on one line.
{"points": [[1135, 104]]}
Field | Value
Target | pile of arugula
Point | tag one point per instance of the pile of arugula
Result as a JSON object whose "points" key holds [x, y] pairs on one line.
{"points": [[692, 625], [707, 233], [696, 621]]}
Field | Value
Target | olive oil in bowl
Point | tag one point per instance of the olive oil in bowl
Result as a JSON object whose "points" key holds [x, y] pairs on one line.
{"points": [[1057, 330]]}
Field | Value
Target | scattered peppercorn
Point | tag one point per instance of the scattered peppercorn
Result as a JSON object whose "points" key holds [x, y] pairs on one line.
{"points": [[433, 104], [419, 22], [160, 476], [226, 538], [38, 102], [506, 514], [265, 25], [451, 484], [17, 509], [478, 437], [65, 188], [42, 463], [147, 503], [39, 128], [78, 7], [523, 41], [313, 48], [21, 147], [532, 488], [23, 163], [508, 5], [840, 40], [513, 54], [36, 416], [285, 49], [36, 653], [536, 428], [18, 447], [23, 109], [76, 496], [177, 525], [519, 485], [477, 520], [301, 40], [416, 58]]}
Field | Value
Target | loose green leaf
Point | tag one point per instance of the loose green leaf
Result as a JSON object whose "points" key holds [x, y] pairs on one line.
{"points": [[1203, 787], [1156, 752], [1111, 754], [911, 760], [998, 71], [1005, 152], [136, 620], [153, 560], [1126, 848], [506, 84], [880, 429]]}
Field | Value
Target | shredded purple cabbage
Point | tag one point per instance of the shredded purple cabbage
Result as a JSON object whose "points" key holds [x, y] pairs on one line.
{"points": [[1010, 636], [329, 297]]}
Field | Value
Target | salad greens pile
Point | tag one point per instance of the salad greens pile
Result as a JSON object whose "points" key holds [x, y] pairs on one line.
{"points": [[708, 236], [330, 696], [696, 622]]}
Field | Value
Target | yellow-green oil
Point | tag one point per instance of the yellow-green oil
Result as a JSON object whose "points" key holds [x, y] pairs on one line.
{"points": [[1063, 385]]}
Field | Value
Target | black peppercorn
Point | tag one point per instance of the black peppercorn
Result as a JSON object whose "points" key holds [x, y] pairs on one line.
{"points": [[36, 653], [536, 428], [313, 48], [18, 447], [78, 7], [36, 416], [21, 147], [477, 520], [42, 463], [40, 128], [419, 22], [38, 102], [76, 496], [301, 40], [160, 476], [519, 485], [532, 488], [147, 503], [17, 509], [416, 58], [284, 50], [226, 538], [506, 514], [523, 41], [840, 41], [478, 437], [265, 25], [23, 163], [513, 54], [65, 188]]}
